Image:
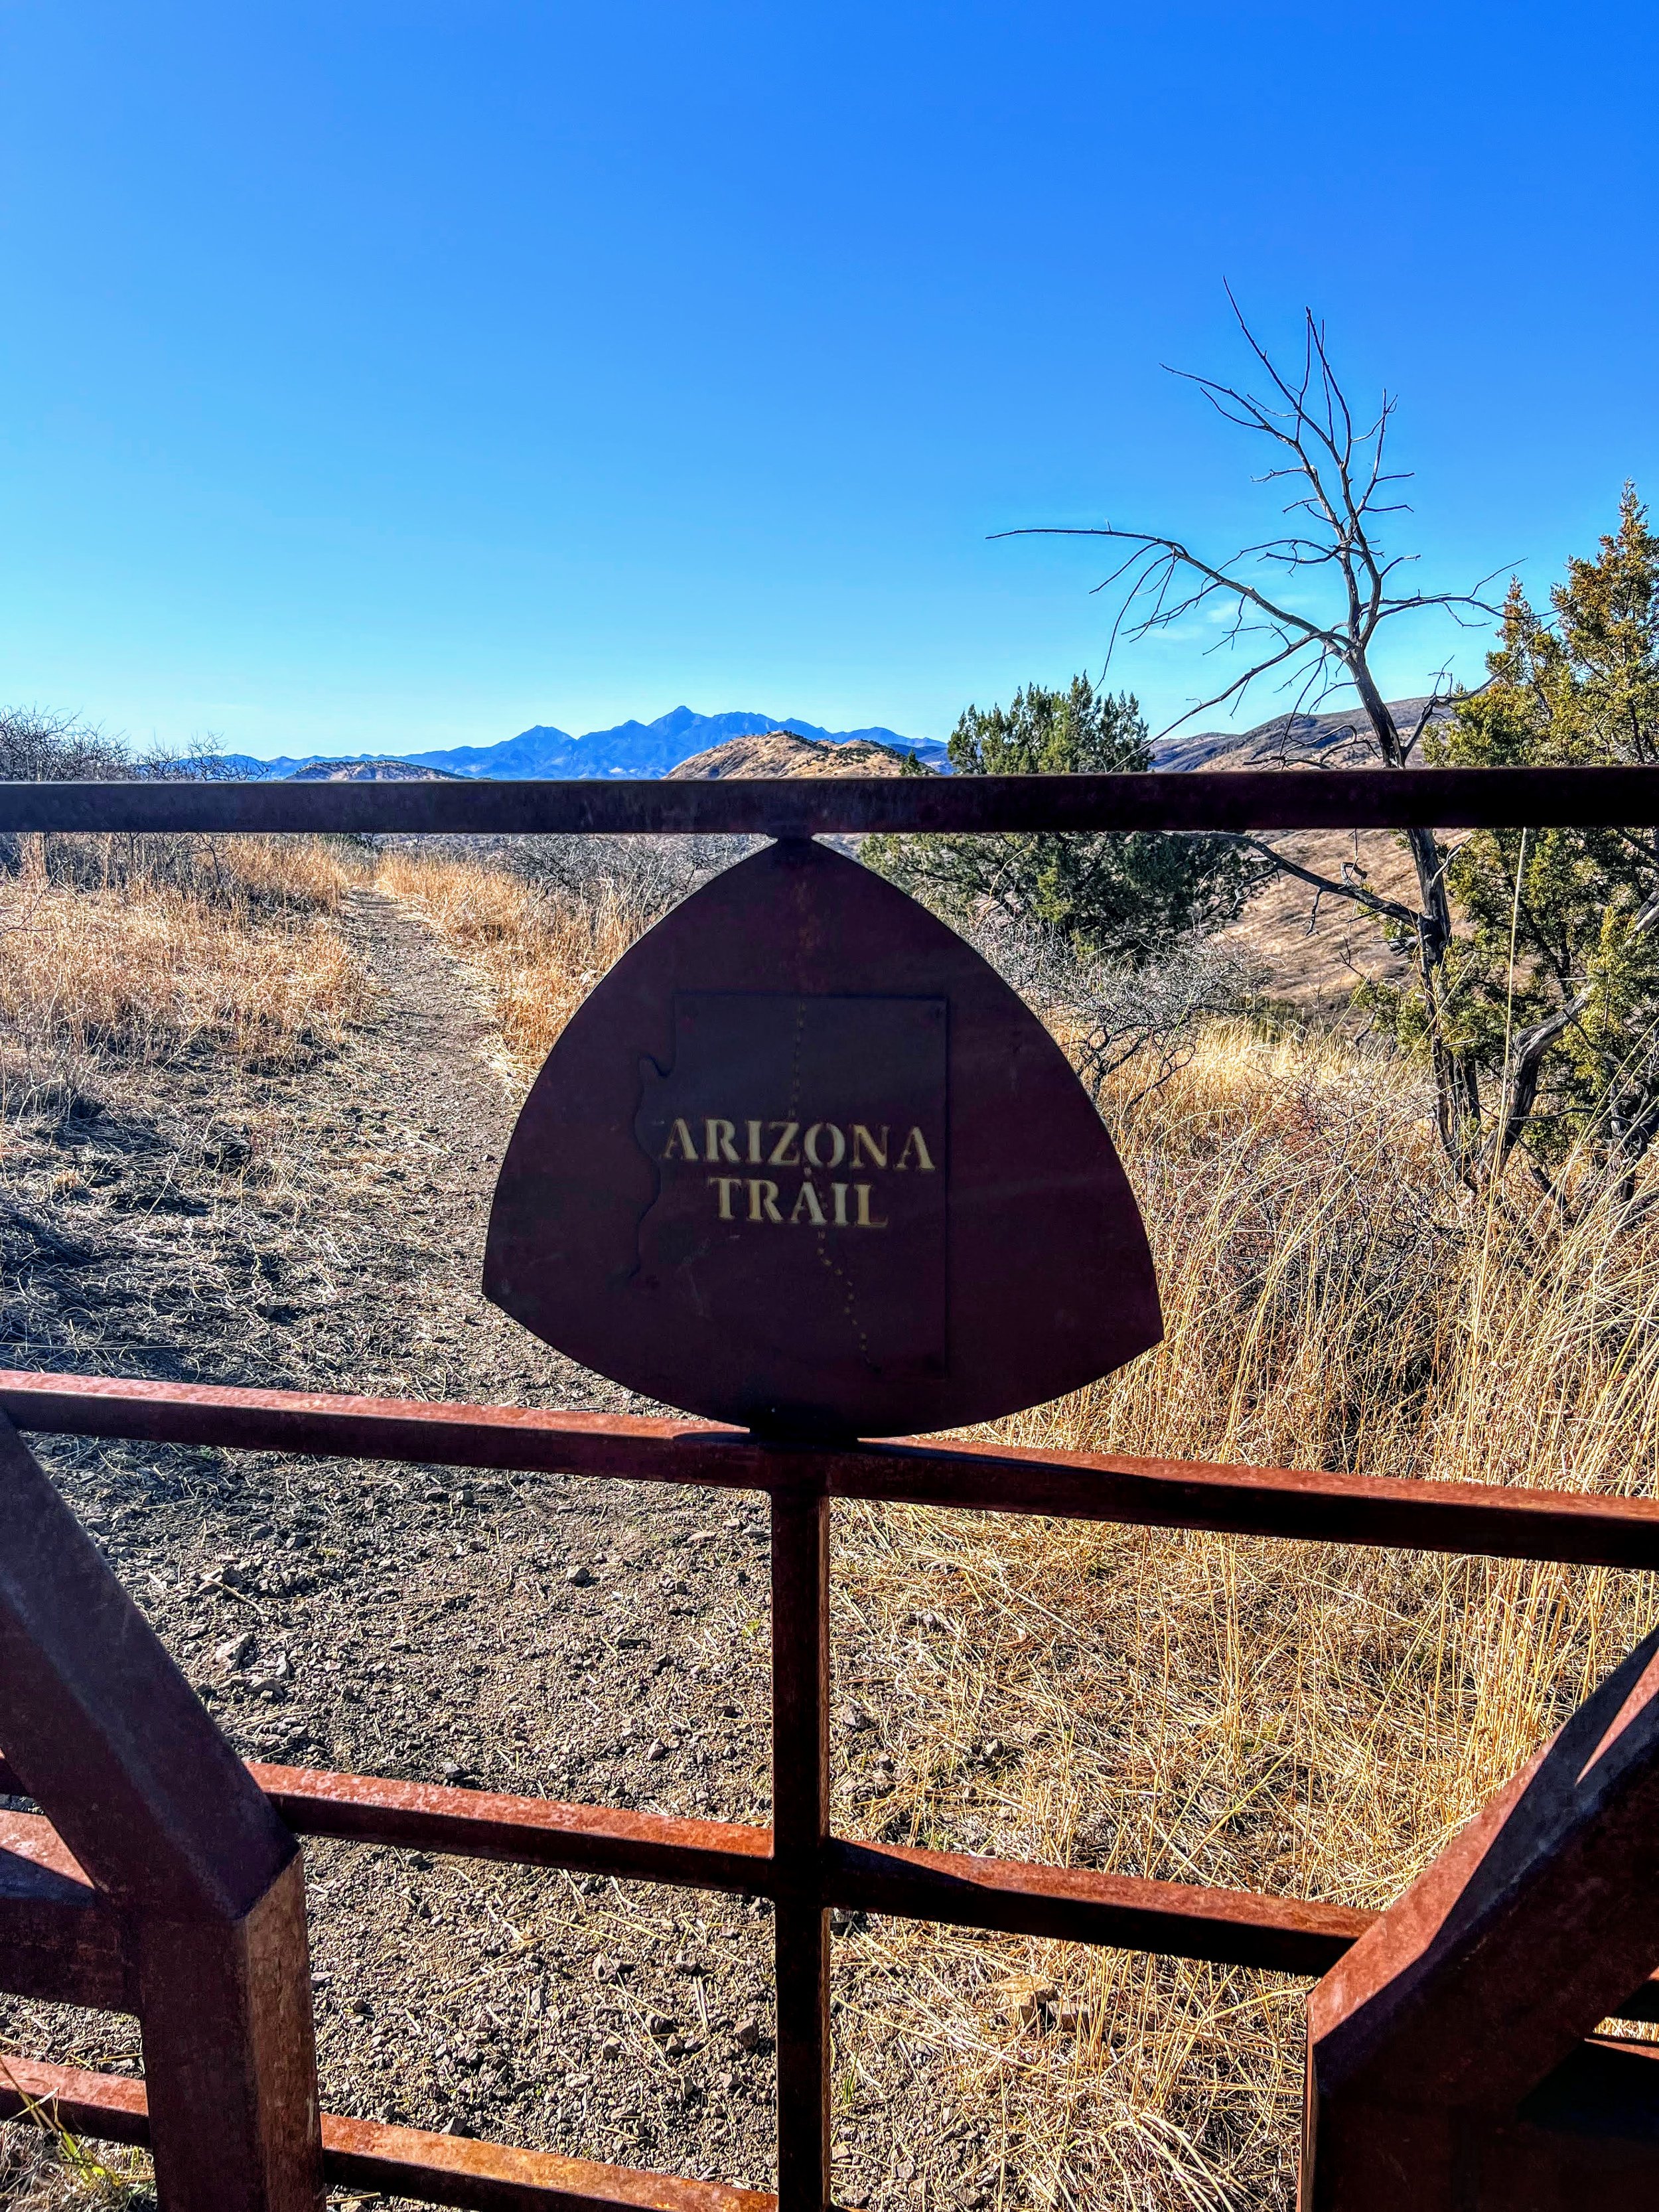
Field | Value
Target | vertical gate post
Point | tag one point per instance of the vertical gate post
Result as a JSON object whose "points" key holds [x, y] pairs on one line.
{"points": [[800, 1824], [1446, 2047], [229, 2056], [105, 1732]]}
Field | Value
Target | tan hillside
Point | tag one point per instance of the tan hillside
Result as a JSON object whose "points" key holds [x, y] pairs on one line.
{"points": [[374, 771], [1317, 949], [780, 753]]}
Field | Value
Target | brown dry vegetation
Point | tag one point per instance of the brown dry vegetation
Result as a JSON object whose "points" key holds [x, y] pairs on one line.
{"points": [[538, 952], [45, 2169], [1313, 1720], [142, 950]]}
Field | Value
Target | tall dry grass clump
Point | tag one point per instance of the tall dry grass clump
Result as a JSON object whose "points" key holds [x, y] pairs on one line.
{"points": [[1313, 1721], [140, 950]]}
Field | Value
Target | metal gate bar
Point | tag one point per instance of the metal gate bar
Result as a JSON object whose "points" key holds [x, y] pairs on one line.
{"points": [[75, 1949], [1482, 1519], [804, 806], [408, 2162]]}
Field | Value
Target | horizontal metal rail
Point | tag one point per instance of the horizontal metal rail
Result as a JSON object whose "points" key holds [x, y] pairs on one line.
{"points": [[1483, 1519], [1229, 800], [401, 2161], [1073, 1905]]}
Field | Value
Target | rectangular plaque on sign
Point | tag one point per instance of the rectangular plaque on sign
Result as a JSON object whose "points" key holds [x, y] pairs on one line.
{"points": [[801, 1151]]}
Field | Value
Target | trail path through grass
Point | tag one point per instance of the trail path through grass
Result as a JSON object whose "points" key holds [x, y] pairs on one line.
{"points": [[326, 1228]]}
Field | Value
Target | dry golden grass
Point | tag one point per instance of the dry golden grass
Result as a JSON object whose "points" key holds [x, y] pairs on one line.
{"points": [[1315, 1720], [1312, 1721], [538, 951], [140, 950]]}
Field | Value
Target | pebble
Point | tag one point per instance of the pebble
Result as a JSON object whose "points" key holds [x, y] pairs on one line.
{"points": [[748, 2035], [578, 1578], [233, 1651]]}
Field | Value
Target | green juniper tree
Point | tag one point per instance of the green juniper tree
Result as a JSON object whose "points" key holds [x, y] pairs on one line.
{"points": [[1556, 961], [1129, 896]]}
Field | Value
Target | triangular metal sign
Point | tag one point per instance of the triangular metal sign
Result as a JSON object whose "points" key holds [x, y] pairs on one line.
{"points": [[803, 1161]]}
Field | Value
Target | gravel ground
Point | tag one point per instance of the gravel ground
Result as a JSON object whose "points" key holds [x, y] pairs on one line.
{"points": [[602, 1641]]}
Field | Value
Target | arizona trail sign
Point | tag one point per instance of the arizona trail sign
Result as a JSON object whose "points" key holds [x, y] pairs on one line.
{"points": [[803, 1161]]}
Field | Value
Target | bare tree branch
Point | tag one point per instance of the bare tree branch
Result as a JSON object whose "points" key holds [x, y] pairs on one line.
{"points": [[1334, 470]]}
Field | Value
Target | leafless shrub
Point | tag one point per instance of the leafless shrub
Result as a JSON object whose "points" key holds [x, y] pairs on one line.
{"points": [[640, 877], [40, 747], [1110, 1016]]}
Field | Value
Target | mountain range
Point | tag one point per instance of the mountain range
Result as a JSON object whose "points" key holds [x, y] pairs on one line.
{"points": [[658, 748], [631, 749]]}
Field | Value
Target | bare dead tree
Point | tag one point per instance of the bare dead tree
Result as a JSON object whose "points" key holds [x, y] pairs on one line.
{"points": [[1342, 492]]}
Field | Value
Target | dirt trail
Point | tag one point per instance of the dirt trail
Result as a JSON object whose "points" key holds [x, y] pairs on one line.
{"points": [[600, 1642]]}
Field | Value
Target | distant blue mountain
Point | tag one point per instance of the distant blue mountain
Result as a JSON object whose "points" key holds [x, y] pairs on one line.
{"points": [[632, 749]]}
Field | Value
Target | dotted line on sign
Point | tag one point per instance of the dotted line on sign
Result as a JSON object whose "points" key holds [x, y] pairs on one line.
{"points": [[794, 1069], [841, 1275]]}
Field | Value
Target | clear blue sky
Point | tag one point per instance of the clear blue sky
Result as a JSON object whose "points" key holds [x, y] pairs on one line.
{"points": [[396, 376]]}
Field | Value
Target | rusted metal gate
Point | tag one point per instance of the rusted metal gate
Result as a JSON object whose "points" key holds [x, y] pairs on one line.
{"points": [[1453, 2051]]}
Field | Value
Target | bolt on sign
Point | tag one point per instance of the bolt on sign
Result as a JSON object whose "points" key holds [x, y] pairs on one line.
{"points": [[803, 1161]]}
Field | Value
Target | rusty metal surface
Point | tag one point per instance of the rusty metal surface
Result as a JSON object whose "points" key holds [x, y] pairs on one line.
{"points": [[1075, 1904], [111, 2106], [1244, 799], [1587, 2137], [1493, 1521], [434, 2169], [59, 1940], [1608, 2086], [800, 1831], [453, 2170], [803, 1162], [1071, 1904], [523, 1831], [1533, 1925], [106, 1734], [230, 2057], [108, 1738]]}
